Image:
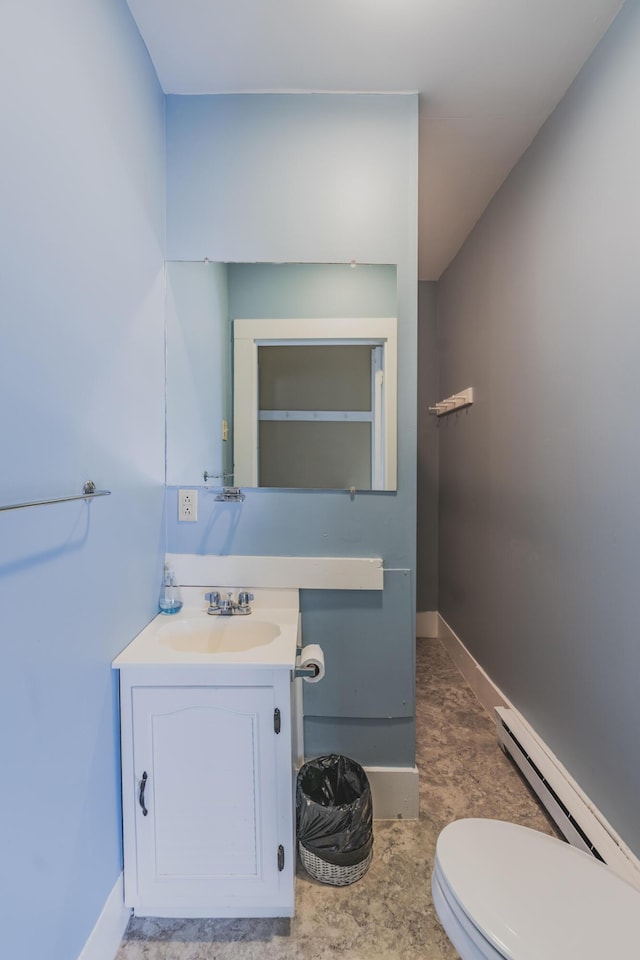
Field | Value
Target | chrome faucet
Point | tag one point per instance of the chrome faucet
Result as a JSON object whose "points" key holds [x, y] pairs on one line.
{"points": [[228, 607]]}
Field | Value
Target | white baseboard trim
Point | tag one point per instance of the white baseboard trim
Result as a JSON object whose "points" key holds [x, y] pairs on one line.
{"points": [[427, 623], [104, 939], [482, 685], [621, 859], [394, 791]]}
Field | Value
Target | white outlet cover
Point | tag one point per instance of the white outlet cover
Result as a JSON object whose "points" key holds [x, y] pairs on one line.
{"points": [[187, 505]]}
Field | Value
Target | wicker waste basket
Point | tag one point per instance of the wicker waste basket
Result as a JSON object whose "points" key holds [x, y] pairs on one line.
{"points": [[334, 819]]}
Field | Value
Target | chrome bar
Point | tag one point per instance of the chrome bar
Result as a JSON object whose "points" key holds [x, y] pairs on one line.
{"points": [[300, 673], [215, 476], [88, 493]]}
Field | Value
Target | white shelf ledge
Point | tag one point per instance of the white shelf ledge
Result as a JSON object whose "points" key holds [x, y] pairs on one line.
{"points": [[310, 573]]}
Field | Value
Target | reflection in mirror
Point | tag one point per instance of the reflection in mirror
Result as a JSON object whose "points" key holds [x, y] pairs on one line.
{"points": [[315, 418], [198, 372], [334, 421], [313, 414]]}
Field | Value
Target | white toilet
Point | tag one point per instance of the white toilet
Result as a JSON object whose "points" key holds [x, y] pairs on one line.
{"points": [[505, 892]]}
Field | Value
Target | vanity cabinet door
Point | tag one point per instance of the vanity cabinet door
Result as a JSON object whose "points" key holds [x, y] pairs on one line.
{"points": [[209, 843]]}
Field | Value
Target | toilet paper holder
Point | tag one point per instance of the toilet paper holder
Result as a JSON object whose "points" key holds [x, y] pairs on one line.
{"points": [[300, 673]]}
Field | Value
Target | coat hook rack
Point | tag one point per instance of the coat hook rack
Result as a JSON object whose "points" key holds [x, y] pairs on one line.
{"points": [[463, 398]]}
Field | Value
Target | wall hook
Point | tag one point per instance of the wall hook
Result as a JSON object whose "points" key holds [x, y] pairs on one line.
{"points": [[455, 402]]}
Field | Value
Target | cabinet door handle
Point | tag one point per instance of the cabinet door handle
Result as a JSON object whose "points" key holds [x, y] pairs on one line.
{"points": [[143, 784]]}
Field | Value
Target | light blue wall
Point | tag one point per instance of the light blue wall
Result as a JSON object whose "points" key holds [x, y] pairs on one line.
{"points": [[539, 510], [316, 179], [81, 389]]}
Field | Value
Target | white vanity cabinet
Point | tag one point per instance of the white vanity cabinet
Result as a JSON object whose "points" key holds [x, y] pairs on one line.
{"points": [[207, 784]]}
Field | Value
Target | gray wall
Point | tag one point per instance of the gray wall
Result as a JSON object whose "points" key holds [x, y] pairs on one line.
{"points": [[539, 506], [428, 433]]}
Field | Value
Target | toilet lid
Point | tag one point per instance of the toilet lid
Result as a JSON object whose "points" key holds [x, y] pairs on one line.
{"points": [[533, 896]]}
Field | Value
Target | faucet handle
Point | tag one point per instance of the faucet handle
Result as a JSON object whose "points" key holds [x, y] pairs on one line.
{"points": [[244, 598], [213, 598]]}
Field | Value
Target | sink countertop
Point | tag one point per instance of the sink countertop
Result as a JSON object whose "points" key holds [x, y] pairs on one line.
{"points": [[182, 638]]}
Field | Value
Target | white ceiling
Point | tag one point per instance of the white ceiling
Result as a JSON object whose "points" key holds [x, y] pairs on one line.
{"points": [[489, 72]]}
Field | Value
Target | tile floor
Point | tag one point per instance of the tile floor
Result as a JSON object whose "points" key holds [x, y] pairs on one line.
{"points": [[388, 914]]}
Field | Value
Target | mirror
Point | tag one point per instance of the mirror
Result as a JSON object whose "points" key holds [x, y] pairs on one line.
{"points": [[321, 414]]}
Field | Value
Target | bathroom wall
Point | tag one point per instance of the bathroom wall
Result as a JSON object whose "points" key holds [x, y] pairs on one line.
{"points": [[539, 529], [316, 179], [428, 449], [81, 389]]}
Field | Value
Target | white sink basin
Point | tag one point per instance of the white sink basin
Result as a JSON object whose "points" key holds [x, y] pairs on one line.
{"points": [[205, 634], [265, 638]]}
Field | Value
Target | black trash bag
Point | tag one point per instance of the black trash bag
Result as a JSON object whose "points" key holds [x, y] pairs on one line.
{"points": [[334, 811]]}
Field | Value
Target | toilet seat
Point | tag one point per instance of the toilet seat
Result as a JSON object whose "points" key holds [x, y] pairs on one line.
{"points": [[470, 943], [505, 892]]}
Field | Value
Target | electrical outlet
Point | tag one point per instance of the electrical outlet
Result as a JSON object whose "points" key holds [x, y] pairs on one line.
{"points": [[187, 504], [225, 430]]}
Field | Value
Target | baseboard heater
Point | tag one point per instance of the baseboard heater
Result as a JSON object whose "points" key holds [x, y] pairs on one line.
{"points": [[567, 807]]}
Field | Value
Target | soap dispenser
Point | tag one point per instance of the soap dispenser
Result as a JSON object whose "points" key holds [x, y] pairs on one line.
{"points": [[170, 601]]}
